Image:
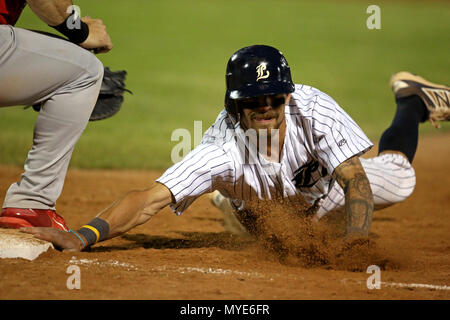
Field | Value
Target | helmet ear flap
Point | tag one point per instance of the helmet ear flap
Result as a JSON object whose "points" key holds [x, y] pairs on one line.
{"points": [[232, 109]]}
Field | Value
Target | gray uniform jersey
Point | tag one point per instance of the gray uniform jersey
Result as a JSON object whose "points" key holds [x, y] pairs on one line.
{"points": [[320, 135]]}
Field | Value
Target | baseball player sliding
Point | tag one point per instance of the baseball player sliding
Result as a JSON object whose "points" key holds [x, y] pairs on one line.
{"points": [[66, 79], [277, 140]]}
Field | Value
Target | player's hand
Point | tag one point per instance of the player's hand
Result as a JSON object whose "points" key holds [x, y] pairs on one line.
{"points": [[63, 240], [355, 241], [98, 39]]}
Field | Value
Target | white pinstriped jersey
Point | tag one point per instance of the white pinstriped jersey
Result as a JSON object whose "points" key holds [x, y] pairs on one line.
{"points": [[320, 135]]}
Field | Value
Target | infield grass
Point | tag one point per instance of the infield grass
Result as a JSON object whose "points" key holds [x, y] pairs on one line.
{"points": [[176, 52]]}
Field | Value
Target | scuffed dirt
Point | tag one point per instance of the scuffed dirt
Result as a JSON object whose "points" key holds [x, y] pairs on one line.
{"points": [[193, 257]]}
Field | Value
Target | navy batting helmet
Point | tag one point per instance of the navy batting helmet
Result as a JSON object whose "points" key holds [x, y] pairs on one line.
{"points": [[256, 71]]}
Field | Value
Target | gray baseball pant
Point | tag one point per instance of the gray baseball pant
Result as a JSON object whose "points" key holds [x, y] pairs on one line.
{"points": [[64, 77]]}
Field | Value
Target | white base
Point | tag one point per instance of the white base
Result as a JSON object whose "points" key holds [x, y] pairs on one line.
{"points": [[16, 244]]}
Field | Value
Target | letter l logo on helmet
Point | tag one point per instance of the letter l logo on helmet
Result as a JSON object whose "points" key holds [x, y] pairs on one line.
{"points": [[260, 71]]}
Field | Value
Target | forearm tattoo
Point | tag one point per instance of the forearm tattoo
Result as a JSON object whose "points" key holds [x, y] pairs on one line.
{"points": [[358, 195]]}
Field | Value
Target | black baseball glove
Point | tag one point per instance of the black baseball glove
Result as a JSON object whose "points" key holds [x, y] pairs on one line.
{"points": [[111, 95], [110, 98]]}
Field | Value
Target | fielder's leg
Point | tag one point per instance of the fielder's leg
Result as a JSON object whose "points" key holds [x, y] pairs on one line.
{"points": [[66, 78]]}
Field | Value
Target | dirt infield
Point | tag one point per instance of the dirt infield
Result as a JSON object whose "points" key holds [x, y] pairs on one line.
{"points": [[192, 257]]}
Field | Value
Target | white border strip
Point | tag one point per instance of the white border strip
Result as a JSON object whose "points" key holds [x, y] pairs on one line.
{"points": [[208, 271], [109, 263], [401, 285], [415, 285]]}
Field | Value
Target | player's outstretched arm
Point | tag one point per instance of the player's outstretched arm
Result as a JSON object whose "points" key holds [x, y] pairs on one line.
{"points": [[358, 196], [133, 209]]}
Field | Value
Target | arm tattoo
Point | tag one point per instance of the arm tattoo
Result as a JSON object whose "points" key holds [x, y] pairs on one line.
{"points": [[358, 195], [359, 214]]}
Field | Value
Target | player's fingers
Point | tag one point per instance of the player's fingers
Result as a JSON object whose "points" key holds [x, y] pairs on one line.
{"points": [[57, 237], [102, 49], [31, 230], [45, 237], [47, 234]]}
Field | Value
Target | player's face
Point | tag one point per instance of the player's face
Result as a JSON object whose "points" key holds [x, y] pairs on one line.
{"points": [[264, 112]]}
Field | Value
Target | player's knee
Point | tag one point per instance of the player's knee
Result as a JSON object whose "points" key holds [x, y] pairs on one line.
{"points": [[408, 191], [95, 68], [91, 83], [84, 91], [407, 183]]}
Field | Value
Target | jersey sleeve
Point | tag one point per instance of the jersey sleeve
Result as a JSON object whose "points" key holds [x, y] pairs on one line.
{"points": [[195, 175], [337, 137]]}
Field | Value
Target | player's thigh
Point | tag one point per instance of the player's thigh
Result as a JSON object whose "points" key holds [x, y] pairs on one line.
{"points": [[33, 67]]}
